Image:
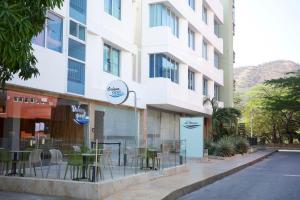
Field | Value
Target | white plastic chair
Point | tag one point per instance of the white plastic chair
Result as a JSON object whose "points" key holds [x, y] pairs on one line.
{"points": [[35, 157], [56, 159]]}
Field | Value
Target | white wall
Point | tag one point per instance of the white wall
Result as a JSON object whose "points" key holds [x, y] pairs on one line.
{"points": [[124, 35]]}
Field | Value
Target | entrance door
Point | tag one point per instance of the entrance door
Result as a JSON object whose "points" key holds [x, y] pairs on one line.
{"points": [[99, 125]]}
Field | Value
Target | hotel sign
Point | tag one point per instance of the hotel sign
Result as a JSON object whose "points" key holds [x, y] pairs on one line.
{"points": [[191, 131], [117, 92], [81, 117]]}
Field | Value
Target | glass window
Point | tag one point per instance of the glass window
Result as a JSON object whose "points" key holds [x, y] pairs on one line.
{"points": [[160, 15], [204, 50], [217, 60], [76, 77], [216, 92], [39, 39], [191, 80], [76, 50], [113, 7], [111, 60], [163, 66], [54, 32], [216, 28], [204, 14], [205, 87], [78, 10], [192, 4], [191, 39], [77, 30]]}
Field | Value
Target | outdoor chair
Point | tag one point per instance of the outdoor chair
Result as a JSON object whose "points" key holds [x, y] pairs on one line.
{"points": [[5, 161], [96, 166], [75, 165], [23, 160], [142, 156], [57, 160], [35, 158]]}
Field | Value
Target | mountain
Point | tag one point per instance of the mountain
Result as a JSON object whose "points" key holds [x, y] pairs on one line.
{"points": [[247, 77]]}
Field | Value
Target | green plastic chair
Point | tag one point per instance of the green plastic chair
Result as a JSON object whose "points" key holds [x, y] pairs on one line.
{"points": [[75, 163], [152, 155], [142, 155], [24, 158], [5, 161]]}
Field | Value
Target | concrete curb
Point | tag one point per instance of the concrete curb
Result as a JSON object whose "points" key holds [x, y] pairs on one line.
{"points": [[195, 186]]}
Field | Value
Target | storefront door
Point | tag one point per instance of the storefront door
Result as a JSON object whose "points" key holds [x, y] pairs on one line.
{"points": [[99, 123]]}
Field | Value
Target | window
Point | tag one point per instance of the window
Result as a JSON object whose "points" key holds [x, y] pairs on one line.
{"points": [[111, 60], [163, 66], [205, 87], [76, 50], [217, 92], [191, 80], [113, 7], [77, 30], [204, 14], [216, 28], [192, 4], [204, 50], [191, 39], [76, 77], [217, 60], [78, 10], [160, 15], [52, 36]]}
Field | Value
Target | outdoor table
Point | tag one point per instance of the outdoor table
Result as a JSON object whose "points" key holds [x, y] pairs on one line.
{"points": [[15, 159]]}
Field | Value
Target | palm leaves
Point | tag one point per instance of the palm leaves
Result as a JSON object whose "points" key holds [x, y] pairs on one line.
{"points": [[224, 120]]}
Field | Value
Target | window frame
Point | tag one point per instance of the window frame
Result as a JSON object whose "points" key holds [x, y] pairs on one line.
{"points": [[192, 4], [110, 53], [191, 39], [170, 19], [204, 15], [216, 55], [111, 9], [45, 33], [191, 80], [205, 87], [204, 50], [167, 67]]}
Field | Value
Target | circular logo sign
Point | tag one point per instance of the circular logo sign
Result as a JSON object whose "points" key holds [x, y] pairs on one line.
{"points": [[117, 92]]}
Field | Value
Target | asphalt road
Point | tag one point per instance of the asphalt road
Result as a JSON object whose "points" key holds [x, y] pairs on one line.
{"points": [[275, 178]]}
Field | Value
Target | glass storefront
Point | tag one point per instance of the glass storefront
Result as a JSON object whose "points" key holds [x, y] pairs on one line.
{"points": [[31, 120]]}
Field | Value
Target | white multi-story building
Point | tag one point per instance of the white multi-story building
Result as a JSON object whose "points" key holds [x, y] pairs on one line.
{"points": [[166, 50]]}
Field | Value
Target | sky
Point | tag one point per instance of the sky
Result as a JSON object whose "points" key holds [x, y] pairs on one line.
{"points": [[266, 30]]}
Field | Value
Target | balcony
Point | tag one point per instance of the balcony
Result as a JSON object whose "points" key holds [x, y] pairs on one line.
{"points": [[164, 94]]}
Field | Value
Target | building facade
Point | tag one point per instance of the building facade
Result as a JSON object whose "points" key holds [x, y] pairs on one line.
{"points": [[227, 59], [168, 52]]}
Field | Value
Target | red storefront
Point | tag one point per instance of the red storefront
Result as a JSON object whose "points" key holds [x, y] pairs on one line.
{"points": [[27, 118]]}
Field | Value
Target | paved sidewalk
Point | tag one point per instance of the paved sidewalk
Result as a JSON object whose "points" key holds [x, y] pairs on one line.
{"points": [[200, 174]]}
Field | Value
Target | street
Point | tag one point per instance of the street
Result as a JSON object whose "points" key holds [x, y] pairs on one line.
{"points": [[275, 178]]}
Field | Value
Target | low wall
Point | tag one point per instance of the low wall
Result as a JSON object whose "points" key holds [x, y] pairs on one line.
{"points": [[78, 189]]}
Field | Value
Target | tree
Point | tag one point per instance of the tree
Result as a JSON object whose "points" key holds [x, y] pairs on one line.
{"points": [[276, 107], [286, 101], [224, 120], [20, 21]]}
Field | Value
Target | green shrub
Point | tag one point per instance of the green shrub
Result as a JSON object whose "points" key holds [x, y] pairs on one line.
{"points": [[225, 147], [211, 146], [241, 145]]}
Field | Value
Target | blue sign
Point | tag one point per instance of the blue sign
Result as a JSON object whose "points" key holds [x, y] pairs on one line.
{"points": [[191, 130], [81, 117]]}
